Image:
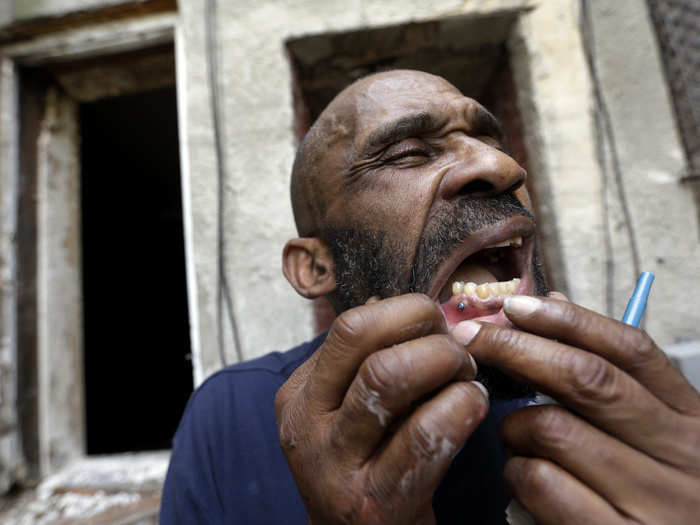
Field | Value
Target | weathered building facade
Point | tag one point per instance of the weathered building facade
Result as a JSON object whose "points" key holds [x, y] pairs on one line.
{"points": [[583, 86]]}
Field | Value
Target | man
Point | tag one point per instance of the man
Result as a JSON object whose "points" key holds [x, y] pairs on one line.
{"points": [[416, 225]]}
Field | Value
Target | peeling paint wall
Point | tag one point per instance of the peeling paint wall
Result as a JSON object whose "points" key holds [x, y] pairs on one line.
{"points": [[255, 85], [588, 77], [554, 98], [10, 446], [644, 137], [581, 210], [247, 157], [59, 286], [600, 132]]}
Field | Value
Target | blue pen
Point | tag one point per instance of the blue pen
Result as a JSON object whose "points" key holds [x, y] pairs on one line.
{"points": [[638, 302]]}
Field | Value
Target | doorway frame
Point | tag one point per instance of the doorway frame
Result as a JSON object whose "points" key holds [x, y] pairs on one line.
{"points": [[70, 45]]}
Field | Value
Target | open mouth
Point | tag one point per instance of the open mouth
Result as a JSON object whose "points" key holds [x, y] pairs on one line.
{"points": [[490, 266]]}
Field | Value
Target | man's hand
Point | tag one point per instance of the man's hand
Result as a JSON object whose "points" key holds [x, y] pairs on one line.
{"points": [[623, 448], [371, 422]]}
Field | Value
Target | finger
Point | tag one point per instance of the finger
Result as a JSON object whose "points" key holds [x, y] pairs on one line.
{"points": [[558, 295], [554, 497], [293, 387], [594, 388], [389, 382], [418, 455], [631, 481], [358, 332], [627, 347]]}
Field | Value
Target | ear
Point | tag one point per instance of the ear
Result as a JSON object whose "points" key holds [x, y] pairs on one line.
{"points": [[308, 266]]}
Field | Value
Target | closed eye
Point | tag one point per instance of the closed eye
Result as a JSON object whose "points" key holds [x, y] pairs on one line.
{"points": [[407, 150]]}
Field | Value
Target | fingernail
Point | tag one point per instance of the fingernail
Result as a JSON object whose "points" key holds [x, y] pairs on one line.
{"points": [[474, 365], [481, 387], [558, 295], [465, 331], [521, 305]]}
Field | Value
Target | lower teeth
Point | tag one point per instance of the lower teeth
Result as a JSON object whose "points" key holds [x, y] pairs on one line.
{"points": [[484, 290]]}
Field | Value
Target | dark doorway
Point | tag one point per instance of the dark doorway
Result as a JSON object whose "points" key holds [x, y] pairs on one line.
{"points": [[138, 373]]}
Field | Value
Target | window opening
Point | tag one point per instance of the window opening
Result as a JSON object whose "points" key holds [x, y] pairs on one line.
{"points": [[470, 52]]}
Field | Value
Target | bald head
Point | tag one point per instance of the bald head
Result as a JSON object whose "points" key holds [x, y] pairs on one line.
{"points": [[327, 145], [314, 159]]}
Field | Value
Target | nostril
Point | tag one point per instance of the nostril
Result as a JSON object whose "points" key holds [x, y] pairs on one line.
{"points": [[515, 186], [476, 187]]}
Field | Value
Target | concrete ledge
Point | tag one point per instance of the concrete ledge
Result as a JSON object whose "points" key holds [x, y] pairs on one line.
{"points": [[122, 489], [142, 472]]}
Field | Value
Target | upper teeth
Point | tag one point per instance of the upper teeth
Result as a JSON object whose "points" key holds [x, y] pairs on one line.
{"points": [[516, 242], [486, 289]]}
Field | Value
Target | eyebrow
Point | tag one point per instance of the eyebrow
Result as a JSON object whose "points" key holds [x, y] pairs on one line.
{"points": [[423, 122], [402, 128], [487, 124]]}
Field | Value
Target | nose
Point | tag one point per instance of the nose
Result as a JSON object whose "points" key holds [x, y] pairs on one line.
{"points": [[480, 170]]}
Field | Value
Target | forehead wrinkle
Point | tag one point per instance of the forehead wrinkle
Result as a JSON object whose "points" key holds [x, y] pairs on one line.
{"points": [[375, 95]]}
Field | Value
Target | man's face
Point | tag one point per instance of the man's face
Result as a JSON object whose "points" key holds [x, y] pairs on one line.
{"points": [[423, 198]]}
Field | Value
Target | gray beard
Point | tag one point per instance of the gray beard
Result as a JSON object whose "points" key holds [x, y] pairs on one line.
{"points": [[371, 262]]}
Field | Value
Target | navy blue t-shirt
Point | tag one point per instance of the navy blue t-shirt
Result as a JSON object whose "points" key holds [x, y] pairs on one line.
{"points": [[227, 466]]}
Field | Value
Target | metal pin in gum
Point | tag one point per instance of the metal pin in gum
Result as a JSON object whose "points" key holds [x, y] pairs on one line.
{"points": [[638, 302]]}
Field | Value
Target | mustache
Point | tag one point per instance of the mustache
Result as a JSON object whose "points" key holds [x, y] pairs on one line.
{"points": [[452, 225], [371, 262]]}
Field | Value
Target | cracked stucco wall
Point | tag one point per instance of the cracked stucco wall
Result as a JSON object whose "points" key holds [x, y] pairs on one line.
{"points": [[555, 91], [10, 446], [257, 124], [602, 137], [599, 129], [661, 208], [556, 98]]}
